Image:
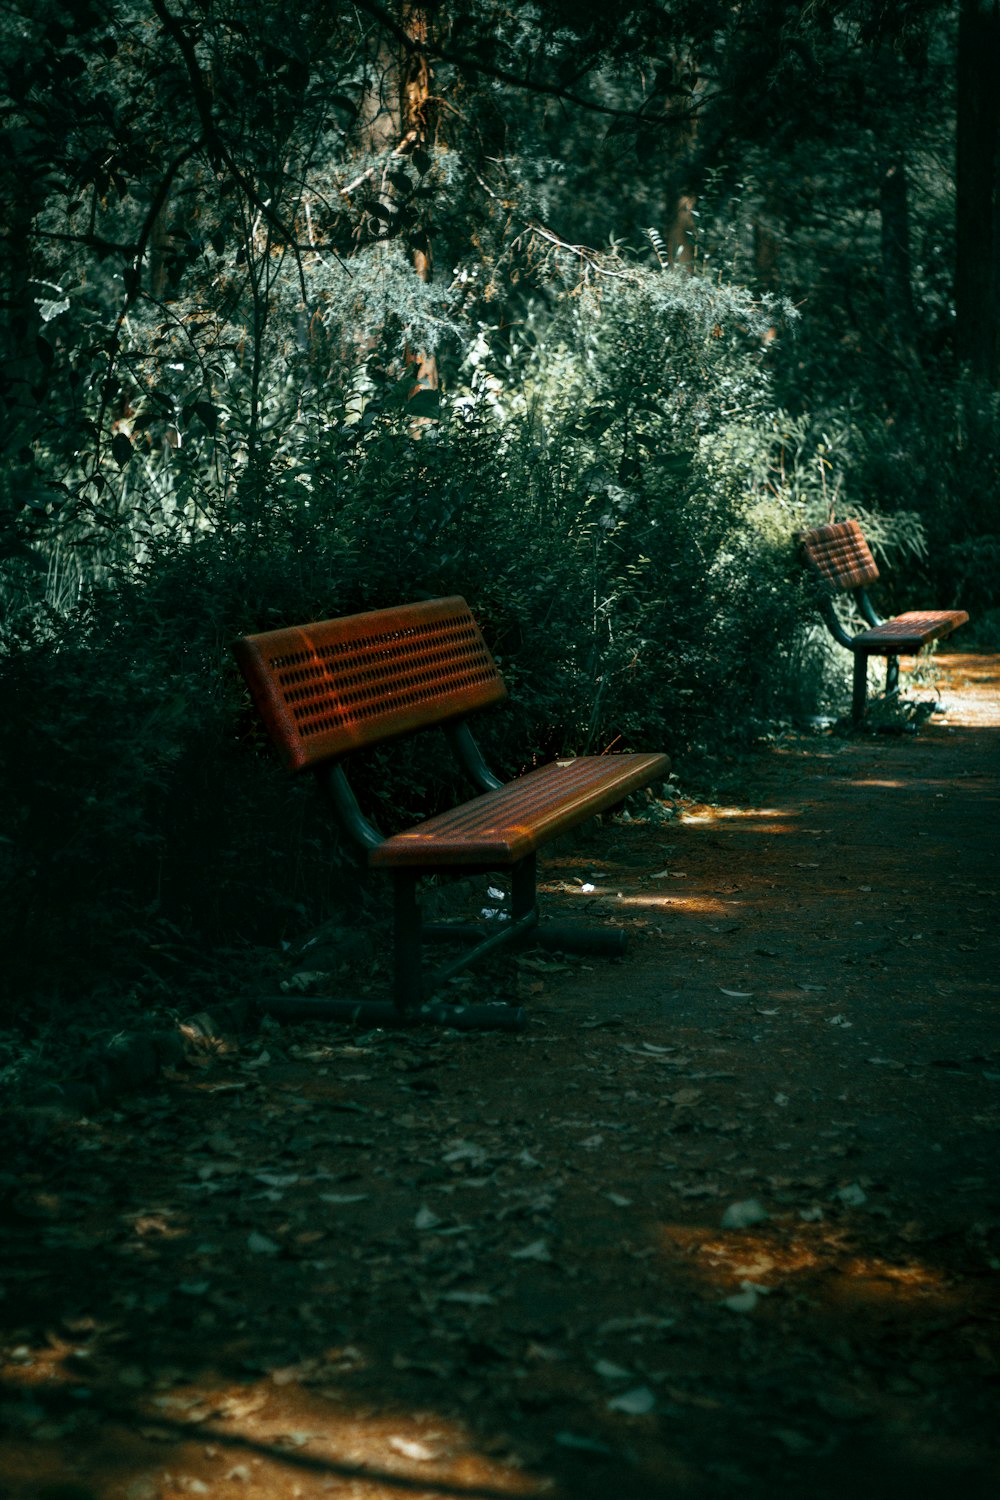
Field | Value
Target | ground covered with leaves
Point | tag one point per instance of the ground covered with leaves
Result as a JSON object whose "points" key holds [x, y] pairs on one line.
{"points": [[723, 1220]]}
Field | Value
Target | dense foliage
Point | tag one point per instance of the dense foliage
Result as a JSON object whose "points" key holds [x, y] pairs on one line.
{"points": [[311, 313]]}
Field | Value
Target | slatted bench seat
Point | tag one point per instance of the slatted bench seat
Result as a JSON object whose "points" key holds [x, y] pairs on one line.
{"points": [[331, 689], [842, 559]]}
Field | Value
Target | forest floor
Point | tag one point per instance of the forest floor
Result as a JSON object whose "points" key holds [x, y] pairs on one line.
{"points": [[724, 1220]]}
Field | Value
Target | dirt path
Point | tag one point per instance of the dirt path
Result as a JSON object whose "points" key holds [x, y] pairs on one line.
{"points": [[724, 1220]]}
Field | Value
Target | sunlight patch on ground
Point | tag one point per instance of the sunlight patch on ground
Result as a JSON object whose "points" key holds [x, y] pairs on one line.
{"points": [[270, 1438], [701, 814], [661, 901], [792, 1265]]}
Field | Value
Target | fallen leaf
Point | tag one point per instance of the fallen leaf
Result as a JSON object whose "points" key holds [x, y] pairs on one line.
{"points": [[742, 1302], [537, 1250], [584, 1444], [793, 1441], [684, 1098], [743, 1214], [259, 1244], [637, 1402], [419, 1452], [634, 1324]]}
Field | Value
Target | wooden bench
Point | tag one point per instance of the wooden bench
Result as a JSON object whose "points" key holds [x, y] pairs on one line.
{"points": [[328, 690], [842, 559]]}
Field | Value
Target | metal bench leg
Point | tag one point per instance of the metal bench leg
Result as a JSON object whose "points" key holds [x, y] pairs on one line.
{"points": [[891, 676], [523, 887], [859, 691], [407, 985]]}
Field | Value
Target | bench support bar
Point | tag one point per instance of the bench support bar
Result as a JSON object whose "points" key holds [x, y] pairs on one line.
{"points": [[408, 987], [506, 932], [383, 1013], [519, 926], [558, 937]]}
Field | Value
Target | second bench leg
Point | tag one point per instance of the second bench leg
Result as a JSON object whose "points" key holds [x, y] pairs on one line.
{"points": [[523, 882], [406, 956], [859, 692]]}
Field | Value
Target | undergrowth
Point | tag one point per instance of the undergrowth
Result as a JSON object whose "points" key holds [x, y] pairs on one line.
{"points": [[617, 498]]}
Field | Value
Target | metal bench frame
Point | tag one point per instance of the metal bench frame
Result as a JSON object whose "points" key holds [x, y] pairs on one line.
{"points": [[841, 558], [332, 688]]}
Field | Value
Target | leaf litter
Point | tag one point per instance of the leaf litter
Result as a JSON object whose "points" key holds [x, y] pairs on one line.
{"points": [[637, 1316]]}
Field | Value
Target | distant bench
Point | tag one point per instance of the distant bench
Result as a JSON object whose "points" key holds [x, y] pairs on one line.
{"points": [[842, 559], [330, 689]]}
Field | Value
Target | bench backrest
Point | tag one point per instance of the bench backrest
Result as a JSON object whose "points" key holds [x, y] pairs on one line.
{"points": [[840, 555], [337, 685]]}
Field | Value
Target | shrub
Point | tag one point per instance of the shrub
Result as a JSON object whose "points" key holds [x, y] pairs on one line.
{"points": [[609, 506]]}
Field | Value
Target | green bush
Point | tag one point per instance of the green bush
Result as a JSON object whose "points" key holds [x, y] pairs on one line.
{"points": [[609, 507]]}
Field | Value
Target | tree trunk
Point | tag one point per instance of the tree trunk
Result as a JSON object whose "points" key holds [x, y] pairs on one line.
{"points": [[977, 176], [897, 268], [765, 254], [680, 238], [414, 104]]}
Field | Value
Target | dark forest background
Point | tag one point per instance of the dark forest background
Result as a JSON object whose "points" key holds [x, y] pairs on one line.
{"points": [[582, 311]]}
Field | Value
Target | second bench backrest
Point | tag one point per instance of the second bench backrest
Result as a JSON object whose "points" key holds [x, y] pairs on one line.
{"points": [[840, 555], [336, 685]]}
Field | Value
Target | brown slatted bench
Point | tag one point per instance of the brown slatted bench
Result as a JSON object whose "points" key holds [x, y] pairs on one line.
{"points": [[333, 688], [840, 556]]}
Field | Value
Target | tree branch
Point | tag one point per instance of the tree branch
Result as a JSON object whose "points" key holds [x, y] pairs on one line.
{"points": [[215, 144], [551, 90]]}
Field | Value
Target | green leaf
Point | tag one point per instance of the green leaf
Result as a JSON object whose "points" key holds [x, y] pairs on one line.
{"points": [[209, 414], [341, 101], [121, 449], [423, 403], [596, 420]]}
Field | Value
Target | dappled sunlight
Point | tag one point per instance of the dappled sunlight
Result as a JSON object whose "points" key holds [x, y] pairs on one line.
{"points": [[808, 1259], [702, 813], [728, 1197], [271, 1433], [755, 821], [705, 906]]}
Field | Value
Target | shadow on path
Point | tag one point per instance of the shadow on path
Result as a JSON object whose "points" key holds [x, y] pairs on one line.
{"points": [[724, 1220]]}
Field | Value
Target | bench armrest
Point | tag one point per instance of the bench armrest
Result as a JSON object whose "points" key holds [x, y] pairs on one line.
{"points": [[868, 610], [469, 756], [831, 620], [336, 788]]}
